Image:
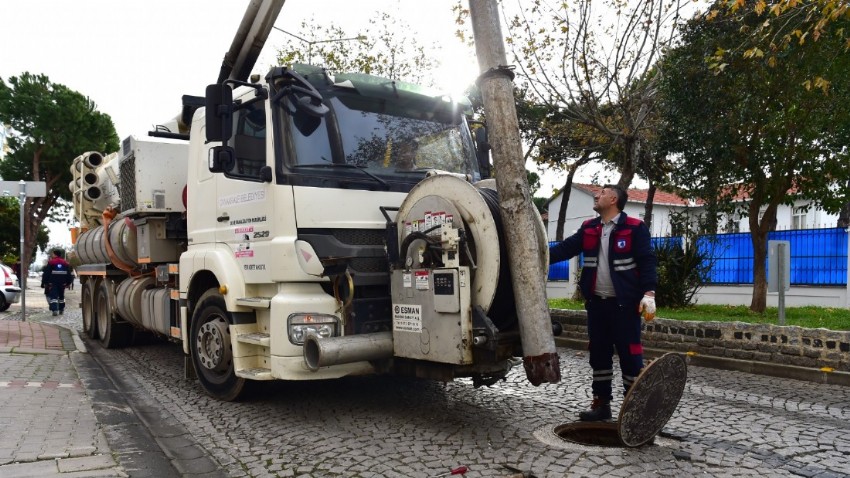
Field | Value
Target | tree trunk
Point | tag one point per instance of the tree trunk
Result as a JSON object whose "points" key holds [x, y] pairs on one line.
{"points": [[758, 234], [647, 209], [540, 357], [759, 300], [565, 200], [566, 192], [844, 216], [627, 169]]}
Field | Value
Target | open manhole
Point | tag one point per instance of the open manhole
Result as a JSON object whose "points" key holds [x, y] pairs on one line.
{"points": [[646, 409], [590, 433]]}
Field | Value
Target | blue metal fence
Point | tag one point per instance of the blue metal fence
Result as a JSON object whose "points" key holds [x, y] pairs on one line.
{"points": [[818, 256], [559, 271]]}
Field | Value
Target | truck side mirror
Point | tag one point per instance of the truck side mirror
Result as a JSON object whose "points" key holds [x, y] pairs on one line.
{"points": [[221, 159], [219, 105], [482, 150]]}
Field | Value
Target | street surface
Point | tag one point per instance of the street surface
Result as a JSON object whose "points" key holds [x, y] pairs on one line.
{"points": [[727, 423]]}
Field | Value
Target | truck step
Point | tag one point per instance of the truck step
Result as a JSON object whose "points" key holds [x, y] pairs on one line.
{"points": [[255, 302], [256, 338], [255, 373]]}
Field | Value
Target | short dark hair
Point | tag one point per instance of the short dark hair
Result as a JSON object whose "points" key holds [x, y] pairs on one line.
{"points": [[622, 195], [59, 253]]}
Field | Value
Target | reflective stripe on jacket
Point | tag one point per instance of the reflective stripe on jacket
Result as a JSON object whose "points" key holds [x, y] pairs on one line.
{"points": [[631, 257]]}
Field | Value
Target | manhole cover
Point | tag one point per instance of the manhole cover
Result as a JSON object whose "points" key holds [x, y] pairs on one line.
{"points": [[652, 399], [646, 409]]}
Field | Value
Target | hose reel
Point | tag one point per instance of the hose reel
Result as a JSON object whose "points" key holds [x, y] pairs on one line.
{"points": [[474, 213]]}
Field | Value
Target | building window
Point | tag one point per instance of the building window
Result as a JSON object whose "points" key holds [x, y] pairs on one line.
{"points": [[798, 218]]}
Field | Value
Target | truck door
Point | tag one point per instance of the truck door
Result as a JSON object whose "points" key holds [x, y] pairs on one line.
{"points": [[244, 203]]}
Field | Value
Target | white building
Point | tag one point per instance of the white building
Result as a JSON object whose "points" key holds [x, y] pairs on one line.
{"points": [[580, 209]]}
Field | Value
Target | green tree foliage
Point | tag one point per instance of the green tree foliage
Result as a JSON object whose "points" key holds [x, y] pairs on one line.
{"points": [[751, 138], [387, 47], [50, 125], [784, 24], [10, 233]]}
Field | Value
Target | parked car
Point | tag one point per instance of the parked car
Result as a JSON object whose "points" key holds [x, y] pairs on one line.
{"points": [[10, 291]]}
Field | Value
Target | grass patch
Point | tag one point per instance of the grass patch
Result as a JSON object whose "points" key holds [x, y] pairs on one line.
{"points": [[809, 317]]}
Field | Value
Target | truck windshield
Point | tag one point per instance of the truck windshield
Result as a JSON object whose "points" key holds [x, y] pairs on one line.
{"points": [[396, 141]]}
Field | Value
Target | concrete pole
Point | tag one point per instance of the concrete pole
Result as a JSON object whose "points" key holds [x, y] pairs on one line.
{"points": [[23, 269], [539, 354]]}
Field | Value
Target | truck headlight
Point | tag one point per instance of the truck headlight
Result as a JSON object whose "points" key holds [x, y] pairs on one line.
{"points": [[299, 325]]}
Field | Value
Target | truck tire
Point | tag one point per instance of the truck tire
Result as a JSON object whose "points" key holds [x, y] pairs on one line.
{"points": [[112, 333], [87, 303], [210, 346]]}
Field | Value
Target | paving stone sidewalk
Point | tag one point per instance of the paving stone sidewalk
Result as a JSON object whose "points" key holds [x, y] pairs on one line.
{"points": [[48, 426], [64, 416]]}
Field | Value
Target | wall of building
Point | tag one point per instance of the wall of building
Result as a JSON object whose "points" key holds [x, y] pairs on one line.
{"points": [[812, 219]]}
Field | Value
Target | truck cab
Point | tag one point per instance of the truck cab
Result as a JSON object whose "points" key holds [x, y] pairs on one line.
{"points": [[291, 222]]}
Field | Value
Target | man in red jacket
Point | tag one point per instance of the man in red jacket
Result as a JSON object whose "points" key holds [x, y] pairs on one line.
{"points": [[55, 278], [618, 282]]}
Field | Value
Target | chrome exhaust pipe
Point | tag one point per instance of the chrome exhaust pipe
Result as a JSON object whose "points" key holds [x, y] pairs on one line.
{"points": [[322, 352]]}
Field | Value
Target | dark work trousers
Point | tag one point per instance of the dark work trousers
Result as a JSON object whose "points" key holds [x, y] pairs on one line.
{"points": [[610, 326], [56, 298]]}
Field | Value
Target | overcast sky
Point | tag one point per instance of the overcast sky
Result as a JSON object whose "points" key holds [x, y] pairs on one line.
{"points": [[136, 59]]}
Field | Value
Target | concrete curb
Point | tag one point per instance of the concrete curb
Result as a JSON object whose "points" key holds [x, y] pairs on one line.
{"points": [[177, 446], [132, 445], [725, 363]]}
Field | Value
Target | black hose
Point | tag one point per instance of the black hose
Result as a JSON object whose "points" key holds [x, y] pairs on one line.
{"points": [[503, 310]]}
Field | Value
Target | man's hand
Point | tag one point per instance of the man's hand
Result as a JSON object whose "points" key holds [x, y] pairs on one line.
{"points": [[647, 307]]}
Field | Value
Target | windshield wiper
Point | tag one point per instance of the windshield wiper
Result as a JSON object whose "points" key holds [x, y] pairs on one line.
{"points": [[362, 169]]}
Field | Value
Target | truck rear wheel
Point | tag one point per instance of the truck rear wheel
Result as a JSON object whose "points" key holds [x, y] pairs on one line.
{"points": [[87, 299], [212, 353], [112, 333]]}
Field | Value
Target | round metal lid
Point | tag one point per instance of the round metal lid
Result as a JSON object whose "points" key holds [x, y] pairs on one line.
{"points": [[652, 399]]}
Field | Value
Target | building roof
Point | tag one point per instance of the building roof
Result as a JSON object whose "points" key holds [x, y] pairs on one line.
{"points": [[639, 195]]}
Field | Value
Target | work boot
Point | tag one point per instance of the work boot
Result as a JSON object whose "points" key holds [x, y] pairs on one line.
{"points": [[61, 312], [55, 313], [599, 410]]}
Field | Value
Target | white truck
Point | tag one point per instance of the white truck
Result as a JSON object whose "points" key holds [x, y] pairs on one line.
{"points": [[301, 226]]}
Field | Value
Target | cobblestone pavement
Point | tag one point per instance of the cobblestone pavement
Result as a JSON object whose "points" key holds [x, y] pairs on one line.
{"points": [[727, 424]]}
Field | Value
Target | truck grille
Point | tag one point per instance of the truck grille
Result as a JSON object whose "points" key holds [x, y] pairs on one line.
{"points": [[364, 248], [360, 237]]}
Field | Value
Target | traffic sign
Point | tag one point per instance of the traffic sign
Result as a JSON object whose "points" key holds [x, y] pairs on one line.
{"points": [[33, 189]]}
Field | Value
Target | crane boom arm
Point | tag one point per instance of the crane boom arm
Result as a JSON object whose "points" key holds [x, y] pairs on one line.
{"points": [[249, 39]]}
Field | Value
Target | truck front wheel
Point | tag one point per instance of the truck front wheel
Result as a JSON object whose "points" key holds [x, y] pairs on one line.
{"points": [[212, 353]]}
